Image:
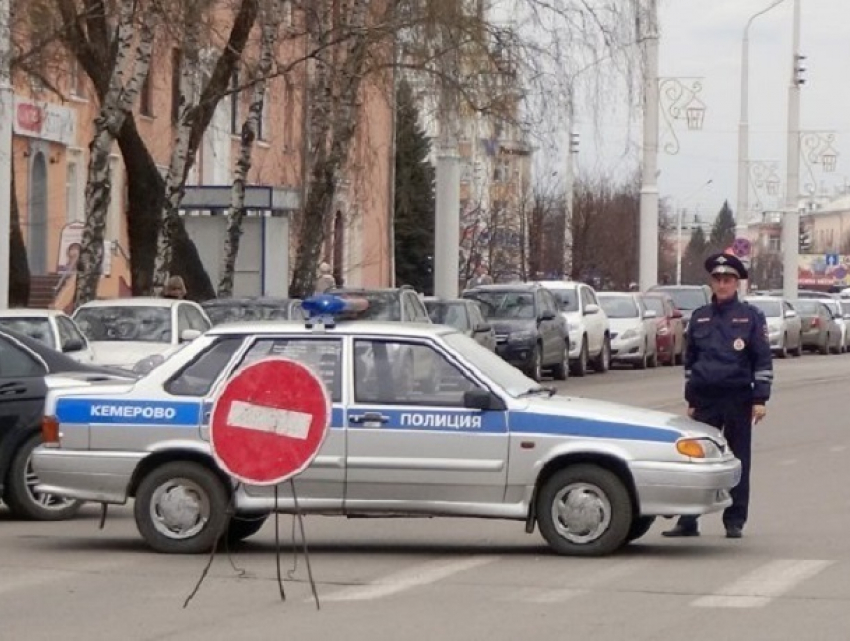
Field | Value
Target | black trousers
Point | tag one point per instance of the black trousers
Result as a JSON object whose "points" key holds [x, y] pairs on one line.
{"points": [[733, 414]]}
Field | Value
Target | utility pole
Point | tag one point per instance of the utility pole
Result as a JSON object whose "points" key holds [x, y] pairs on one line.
{"points": [[648, 236], [569, 189], [6, 114], [791, 216]]}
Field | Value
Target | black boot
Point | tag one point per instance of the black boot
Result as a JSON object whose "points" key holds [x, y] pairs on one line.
{"points": [[734, 531], [685, 527]]}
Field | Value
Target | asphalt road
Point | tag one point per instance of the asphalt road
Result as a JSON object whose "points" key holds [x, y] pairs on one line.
{"points": [[425, 579]]}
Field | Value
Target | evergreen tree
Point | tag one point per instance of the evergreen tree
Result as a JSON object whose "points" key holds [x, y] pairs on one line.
{"points": [[414, 197], [693, 272], [723, 232]]}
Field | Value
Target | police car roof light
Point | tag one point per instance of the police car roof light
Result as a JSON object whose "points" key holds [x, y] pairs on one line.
{"points": [[325, 309]]}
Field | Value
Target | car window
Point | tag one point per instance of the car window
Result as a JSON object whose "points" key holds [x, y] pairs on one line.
{"points": [[548, 302], [518, 305], [587, 297], [476, 318], [390, 373], [68, 332], [197, 378], [770, 308], [147, 324], [323, 356], [453, 314], [16, 362], [656, 305], [619, 306], [196, 319], [36, 327], [567, 299]]}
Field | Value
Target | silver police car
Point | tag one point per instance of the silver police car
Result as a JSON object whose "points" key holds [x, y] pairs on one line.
{"points": [[482, 440]]}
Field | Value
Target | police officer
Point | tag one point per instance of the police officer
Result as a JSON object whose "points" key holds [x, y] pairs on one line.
{"points": [[728, 374]]}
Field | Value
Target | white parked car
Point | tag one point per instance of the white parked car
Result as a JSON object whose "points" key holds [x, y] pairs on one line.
{"points": [[50, 327], [633, 329], [590, 339], [784, 326], [124, 331]]}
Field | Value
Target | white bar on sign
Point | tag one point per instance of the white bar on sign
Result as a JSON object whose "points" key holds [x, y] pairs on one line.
{"points": [[269, 419]]}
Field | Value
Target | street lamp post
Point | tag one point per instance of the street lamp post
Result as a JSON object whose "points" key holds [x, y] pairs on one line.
{"points": [[648, 235], [791, 217], [6, 108]]}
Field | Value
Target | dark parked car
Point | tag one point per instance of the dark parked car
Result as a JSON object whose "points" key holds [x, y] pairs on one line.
{"points": [[465, 315], [391, 304], [531, 333], [252, 308], [27, 368]]}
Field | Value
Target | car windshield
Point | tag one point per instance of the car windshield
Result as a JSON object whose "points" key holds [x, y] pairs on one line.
{"points": [[37, 328], [619, 306], [807, 306], [655, 304], [771, 308], [688, 299], [504, 375], [568, 299], [235, 311], [125, 323], [508, 305], [833, 307], [452, 314]]}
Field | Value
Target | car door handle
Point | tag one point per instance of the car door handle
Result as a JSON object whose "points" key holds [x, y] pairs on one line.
{"points": [[368, 417], [12, 388]]}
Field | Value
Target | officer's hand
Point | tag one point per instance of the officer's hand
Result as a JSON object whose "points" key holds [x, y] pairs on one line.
{"points": [[691, 412], [759, 412]]}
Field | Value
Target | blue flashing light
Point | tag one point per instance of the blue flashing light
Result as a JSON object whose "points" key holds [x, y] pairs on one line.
{"points": [[326, 308]]}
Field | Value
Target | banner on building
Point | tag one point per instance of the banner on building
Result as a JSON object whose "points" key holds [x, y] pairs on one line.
{"points": [[824, 270], [70, 245]]}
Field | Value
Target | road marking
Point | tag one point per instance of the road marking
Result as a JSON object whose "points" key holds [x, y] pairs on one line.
{"points": [[599, 578], [416, 576], [838, 448], [269, 419], [761, 586]]}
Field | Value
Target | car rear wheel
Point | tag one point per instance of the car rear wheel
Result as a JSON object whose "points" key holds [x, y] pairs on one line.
{"points": [[584, 510], [561, 371], [602, 363], [824, 349], [644, 359], [535, 368], [21, 496], [783, 351], [798, 351], [181, 508], [579, 366]]}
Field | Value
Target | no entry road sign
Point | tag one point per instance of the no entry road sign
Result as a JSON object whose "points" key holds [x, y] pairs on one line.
{"points": [[269, 421]]}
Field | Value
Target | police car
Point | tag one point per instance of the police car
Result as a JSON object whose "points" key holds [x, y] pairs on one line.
{"points": [[482, 441]]}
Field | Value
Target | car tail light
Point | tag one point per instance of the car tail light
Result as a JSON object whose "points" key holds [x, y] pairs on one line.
{"points": [[50, 429], [816, 322]]}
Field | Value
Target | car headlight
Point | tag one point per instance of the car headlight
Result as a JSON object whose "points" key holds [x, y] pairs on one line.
{"points": [[703, 448], [629, 334], [523, 336]]}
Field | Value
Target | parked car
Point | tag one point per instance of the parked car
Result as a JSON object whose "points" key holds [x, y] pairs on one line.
{"points": [[670, 328], [51, 327], [123, 331], [400, 304], [28, 369], [464, 315], [820, 331], [633, 331], [687, 298], [590, 332], [784, 325], [841, 320], [252, 308], [592, 476], [530, 331]]}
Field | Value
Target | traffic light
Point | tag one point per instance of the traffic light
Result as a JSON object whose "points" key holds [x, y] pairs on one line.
{"points": [[574, 139], [805, 238], [799, 69]]}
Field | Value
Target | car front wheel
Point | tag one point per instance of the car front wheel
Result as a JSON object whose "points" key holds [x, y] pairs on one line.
{"points": [[23, 499], [181, 508], [584, 510]]}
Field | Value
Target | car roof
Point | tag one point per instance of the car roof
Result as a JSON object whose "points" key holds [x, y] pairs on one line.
{"points": [[661, 288], [771, 298], [243, 300], [136, 301], [505, 287], [392, 329], [618, 294], [443, 301], [25, 312], [561, 284]]}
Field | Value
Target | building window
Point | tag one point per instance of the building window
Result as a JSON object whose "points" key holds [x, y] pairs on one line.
{"points": [[235, 97], [773, 243], [77, 84], [176, 63], [146, 96], [74, 197], [502, 171], [116, 198], [263, 126]]}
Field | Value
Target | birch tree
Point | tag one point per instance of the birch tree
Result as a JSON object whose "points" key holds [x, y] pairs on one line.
{"points": [[270, 17], [133, 44]]}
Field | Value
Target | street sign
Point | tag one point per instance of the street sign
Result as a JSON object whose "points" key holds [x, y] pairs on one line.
{"points": [[832, 260], [269, 421], [741, 247]]}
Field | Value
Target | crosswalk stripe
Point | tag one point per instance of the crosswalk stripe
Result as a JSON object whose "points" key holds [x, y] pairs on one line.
{"points": [[761, 586], [599, 578], [415, 576]]}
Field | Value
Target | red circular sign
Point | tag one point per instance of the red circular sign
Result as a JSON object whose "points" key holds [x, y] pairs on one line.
{"points": [[269, 421]]}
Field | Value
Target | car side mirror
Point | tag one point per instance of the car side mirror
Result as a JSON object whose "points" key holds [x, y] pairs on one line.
{"points": [[188, 335], [547, 315], [73, 345], [650, 313], [482, 328], [482, 399], [790, 314], [591, 309]]}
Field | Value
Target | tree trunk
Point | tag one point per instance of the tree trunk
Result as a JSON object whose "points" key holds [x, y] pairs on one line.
{"points": [[19, 269], [270, 19]]}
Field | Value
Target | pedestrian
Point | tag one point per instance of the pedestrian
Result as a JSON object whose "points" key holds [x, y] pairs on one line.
{"points": [[728, 375], [174, 288], [482, 277], [325, 281]]}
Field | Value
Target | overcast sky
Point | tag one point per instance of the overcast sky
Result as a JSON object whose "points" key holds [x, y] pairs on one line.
{"points": [[703, 38]]}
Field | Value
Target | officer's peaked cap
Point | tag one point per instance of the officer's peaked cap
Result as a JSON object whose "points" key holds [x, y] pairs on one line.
{"points": [[725, 264]]}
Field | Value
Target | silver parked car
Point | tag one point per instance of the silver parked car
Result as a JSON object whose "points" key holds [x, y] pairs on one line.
{"points": [[487, 442], [784, 326], [633, 329], [820, 331]]}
